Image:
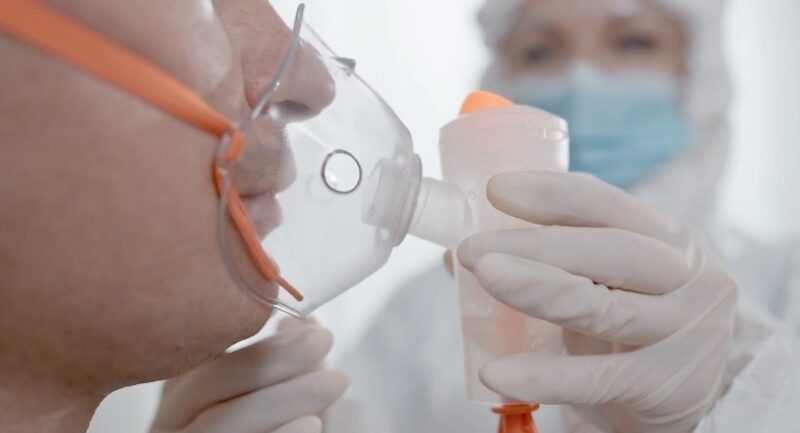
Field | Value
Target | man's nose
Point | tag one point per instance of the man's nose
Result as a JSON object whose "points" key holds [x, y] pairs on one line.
{"points": [[306, 88]]}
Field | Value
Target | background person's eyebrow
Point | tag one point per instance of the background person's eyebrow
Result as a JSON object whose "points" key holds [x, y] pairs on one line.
{"points": [[530, 23], [625, 20], [644, 21]]}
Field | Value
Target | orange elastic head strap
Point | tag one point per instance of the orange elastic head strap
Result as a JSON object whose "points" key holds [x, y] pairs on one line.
{"points": [[59, 35]]}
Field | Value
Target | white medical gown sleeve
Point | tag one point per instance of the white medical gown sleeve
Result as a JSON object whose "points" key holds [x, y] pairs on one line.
{"points": [[763, 380]]}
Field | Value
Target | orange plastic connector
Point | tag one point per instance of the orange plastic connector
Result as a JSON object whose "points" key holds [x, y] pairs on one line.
{"points": [[482, 100], [516, 418]]}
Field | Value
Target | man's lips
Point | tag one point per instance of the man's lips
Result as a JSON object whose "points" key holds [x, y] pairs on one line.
{"points": [[266, 163], [264, 211]]}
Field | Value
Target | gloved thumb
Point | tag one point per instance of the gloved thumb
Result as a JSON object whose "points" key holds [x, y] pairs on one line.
{"points": [[306, 424], [289, 322]]}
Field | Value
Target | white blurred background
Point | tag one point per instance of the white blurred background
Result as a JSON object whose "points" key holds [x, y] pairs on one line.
{"points": [[424, 56]]}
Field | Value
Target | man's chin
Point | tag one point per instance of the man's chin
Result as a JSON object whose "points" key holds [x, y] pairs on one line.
{"points": [[254, 312]]}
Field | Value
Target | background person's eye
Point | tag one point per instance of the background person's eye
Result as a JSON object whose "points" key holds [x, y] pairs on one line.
{"points": [[538, 54], [636, 43]]}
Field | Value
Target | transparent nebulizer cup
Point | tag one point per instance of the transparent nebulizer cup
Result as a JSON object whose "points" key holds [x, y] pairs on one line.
{"points": [[492, 136]]}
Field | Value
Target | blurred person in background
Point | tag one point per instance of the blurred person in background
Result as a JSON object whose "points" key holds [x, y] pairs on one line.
{"points": [[644, 87]]}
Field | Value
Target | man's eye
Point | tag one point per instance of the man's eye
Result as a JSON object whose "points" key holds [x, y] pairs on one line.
{"points": [[538, 54], [637, 44]]}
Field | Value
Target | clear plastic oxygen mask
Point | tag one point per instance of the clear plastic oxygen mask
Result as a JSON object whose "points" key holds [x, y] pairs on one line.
{"points": [[354, 180]]}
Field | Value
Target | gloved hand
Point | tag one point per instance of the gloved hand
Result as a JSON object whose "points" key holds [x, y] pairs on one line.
{"points": [[647, 313], [272, 386]]}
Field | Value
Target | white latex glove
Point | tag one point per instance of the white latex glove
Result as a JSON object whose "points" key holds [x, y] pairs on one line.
{"points": [[648, 315], [272, 386]]}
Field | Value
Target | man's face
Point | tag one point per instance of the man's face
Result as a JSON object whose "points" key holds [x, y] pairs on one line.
{"points": [[108, 232]]}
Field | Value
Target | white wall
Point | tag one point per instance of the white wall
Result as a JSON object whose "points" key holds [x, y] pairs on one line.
{"points": [[762, 189], [424, 55]]}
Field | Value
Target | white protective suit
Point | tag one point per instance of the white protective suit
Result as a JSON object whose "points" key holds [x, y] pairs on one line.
{"points": [[408, 369]]}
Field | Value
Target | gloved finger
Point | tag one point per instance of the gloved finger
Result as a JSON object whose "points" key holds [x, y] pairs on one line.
{"points": [[289, 322], [576, 343], [590, 419], [612, 257], [448, 262], [570, 199], [275, 359], [686, 362], [574, 302], [269, 408], [553, 378], [306, 424]]}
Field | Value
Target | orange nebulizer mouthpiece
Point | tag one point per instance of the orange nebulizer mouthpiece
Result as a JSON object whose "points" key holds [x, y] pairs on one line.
{"points": [[516, 418], [482, 100]]}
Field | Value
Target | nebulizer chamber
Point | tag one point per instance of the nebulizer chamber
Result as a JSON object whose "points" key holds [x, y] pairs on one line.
{"points": [[475, 147]]}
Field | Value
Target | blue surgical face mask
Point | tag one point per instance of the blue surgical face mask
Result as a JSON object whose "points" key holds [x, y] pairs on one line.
{"points": [[622, 126]]}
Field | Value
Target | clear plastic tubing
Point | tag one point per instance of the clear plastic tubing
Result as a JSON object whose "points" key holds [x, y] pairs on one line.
{"points": [[477, 145]]}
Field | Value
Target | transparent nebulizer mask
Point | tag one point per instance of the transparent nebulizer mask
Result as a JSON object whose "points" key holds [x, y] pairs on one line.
{"points": [[355, 183]]}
